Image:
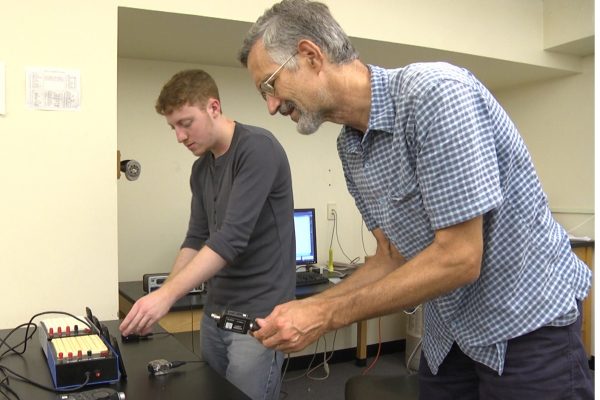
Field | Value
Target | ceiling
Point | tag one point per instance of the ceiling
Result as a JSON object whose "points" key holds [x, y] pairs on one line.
{"points": [[156, 35]]}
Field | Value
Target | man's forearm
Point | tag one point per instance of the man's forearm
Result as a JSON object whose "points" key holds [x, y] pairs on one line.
{"points": [[370, 272], [451, 261], [192, 267], [386, 259], [184, 256]]}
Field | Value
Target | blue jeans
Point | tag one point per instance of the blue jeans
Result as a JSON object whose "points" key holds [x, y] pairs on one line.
{"points": [[242, 360]]}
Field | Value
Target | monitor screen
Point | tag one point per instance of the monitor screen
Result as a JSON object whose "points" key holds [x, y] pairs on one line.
{"points": [[306, 238]]}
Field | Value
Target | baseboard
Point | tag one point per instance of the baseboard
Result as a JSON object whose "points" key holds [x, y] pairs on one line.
{"points": [[344, 355]]}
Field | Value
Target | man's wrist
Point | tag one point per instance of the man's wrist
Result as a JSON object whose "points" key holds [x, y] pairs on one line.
{"points": [[169, 293], [333, 312]]}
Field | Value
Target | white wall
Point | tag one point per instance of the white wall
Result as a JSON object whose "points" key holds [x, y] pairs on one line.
{"points": [[58, 209], [567, 21], [556, 119], [154, 210]]}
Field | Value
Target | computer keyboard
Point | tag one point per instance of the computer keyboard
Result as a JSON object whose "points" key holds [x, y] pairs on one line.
{"points": [[306, 278]]}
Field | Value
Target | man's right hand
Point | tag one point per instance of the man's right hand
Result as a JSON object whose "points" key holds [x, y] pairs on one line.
{"points": [[146, 312], [292, 326]]}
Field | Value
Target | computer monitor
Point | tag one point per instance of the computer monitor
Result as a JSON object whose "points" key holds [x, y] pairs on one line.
{"points": [[306, 237]]}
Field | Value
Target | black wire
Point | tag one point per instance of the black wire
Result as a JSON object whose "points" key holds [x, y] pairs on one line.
{"points": [[180, 363], [8, 389], [44, 387], [4, 381], [3, 341], [4, 384], [153, 334], [27, 336]]}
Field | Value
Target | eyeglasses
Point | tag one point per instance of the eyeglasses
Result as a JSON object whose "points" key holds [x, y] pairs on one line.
{"points": [[266, 87]]}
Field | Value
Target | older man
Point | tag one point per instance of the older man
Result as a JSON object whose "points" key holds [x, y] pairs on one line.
{"points": [[444, 181]]}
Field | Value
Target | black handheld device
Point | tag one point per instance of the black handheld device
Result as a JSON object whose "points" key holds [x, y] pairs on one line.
{"points": [[235, 321]]}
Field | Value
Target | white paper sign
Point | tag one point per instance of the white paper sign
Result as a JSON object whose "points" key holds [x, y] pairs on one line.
{"points": [[53, 89]]}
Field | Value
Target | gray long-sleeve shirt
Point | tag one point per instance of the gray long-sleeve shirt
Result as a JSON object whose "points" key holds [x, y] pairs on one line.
{"points": [[242, 208]]}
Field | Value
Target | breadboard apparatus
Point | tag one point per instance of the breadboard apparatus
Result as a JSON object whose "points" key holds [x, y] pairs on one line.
{"points": [[79, 350]]}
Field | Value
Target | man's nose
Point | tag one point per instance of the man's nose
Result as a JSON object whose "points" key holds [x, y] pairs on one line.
{"points": [[180, 134], [273, 104]]}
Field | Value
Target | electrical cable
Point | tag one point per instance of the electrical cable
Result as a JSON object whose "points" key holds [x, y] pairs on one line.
{"points": [[4, 394], [417, 347], [24, 342], [585, 221], [335, 230], [362, 237], [412, 355], [44, 387], [4, 386], [287, 364], [325, 363], [8, 389], [27, 335], [192, 330], [310, 367], [330, 259], [15, 349], [294, 378], [366, 370]]}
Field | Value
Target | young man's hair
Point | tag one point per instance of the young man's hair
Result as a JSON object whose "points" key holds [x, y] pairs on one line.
{"points": [[193, 87], [283, 25]]}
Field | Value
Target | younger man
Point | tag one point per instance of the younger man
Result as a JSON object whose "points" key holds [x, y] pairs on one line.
{"points": [[240, 236]]}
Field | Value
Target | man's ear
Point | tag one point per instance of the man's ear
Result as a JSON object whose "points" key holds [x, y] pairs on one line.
{"points": [[213, 107], [312, 53]]}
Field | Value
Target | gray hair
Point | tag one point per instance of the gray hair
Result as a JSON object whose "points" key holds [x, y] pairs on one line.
{"points": [[286, 23]]}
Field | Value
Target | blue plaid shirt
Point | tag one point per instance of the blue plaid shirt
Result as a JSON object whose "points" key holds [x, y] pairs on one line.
{"points": [[439, 150]]}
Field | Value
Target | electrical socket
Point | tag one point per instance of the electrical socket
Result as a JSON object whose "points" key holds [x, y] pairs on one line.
{"points": [[331, 211]]}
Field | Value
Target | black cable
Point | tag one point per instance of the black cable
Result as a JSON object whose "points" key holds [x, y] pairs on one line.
{"points": [[4, 384], [4, 381], [27, 335], [8, 389], [153, 334], [44, 387], [178, 363], [3, 341]]}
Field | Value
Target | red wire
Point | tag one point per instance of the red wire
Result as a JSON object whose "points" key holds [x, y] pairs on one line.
{"points": [[378, 349]]}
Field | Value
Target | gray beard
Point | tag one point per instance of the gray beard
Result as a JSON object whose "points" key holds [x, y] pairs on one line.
{"points": [[308, 123]]}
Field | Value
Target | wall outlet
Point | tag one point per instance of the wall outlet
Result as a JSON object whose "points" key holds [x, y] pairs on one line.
{"points": [[331, 211]]}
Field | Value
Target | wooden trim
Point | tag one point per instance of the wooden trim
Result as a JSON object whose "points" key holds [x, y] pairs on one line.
{"points": [[361, 340], [586, 254]]}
